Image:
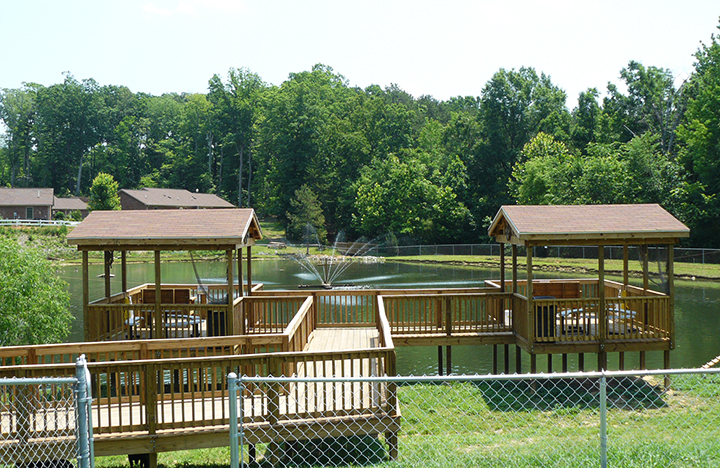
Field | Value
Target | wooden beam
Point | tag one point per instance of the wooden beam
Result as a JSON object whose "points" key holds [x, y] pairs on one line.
{"points": [[86, 295], [123, 271], [602, 312], [229, 316], [671, 291], [108, 258], [249, 270], [514, 269], [502, 267], [158, 292], [626, 266], [530, 303]]}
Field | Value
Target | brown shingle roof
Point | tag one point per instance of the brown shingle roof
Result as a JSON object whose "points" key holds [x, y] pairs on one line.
{"points": [[26, 196], [156, 229], [161, 197], [72, 203], [587, 222]]}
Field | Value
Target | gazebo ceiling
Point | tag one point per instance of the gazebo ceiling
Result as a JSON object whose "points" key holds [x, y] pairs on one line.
{"points": [[586, 225], [212, 229]]}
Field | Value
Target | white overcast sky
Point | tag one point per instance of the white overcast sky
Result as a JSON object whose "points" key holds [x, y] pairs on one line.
{"points": [[442, 48]]}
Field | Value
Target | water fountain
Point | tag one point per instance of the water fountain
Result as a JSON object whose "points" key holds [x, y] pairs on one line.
{"points": [[327, 268]]}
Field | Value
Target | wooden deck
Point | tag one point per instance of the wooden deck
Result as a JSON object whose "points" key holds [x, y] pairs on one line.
{"points": [[154, 395]]}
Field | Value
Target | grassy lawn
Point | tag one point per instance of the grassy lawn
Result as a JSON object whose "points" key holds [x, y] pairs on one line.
{"points": [[552, 423]]}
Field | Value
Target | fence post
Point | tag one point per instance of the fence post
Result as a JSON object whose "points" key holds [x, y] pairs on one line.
{"points": [[234, 443], [603, 421], [82, 412]]}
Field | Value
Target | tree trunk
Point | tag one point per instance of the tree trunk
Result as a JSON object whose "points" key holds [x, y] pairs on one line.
{"points": [[249, 179], [240, 171]]}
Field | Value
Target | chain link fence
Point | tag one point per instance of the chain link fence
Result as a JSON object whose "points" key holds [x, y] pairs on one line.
{"points": [[621, 419], [45, 422], [685, 255]]}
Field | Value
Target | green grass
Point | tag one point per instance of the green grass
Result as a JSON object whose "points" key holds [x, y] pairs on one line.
{"points": [[548, 423]]}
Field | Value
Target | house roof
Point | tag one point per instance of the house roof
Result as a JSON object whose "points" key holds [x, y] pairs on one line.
{"points": [[211, 229], [26, 196], [586, 224], [71, 203], [171, 198]]}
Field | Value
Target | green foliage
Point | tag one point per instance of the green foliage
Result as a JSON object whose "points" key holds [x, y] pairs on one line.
{"points": [[257, 144], [104, 193], [306, 211], [405, 196], [34, 302]]}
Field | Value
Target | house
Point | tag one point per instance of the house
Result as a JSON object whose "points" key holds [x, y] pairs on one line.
{"points": [[69, 205], [26, 203], [167, 199]]}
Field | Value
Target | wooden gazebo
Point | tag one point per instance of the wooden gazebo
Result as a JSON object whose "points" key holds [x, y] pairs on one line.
{"points": [[598, 316], [155, 310]]}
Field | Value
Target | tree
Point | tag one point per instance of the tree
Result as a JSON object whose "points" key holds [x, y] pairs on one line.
{"points": [[306, 211], [104, 193], [700, 137], [34, 302]]}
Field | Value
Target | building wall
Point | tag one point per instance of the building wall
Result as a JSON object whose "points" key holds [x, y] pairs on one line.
{"points": [[19, 212], [130, 203]]}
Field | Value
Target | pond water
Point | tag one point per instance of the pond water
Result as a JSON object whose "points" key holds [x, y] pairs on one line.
{"points": [[697, 306]]}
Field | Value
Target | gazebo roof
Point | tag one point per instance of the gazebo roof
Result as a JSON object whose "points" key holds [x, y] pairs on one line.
{"points": [[213, 229], [586, 224]]}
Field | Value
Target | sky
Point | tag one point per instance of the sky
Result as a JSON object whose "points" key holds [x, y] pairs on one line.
{"points": [[440, 48]]}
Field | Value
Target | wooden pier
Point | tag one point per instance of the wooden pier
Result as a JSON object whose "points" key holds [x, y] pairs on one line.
{"points": [[159, 354]]}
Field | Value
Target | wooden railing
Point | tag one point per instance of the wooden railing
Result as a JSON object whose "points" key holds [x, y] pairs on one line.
{"points": [[149, 396], [446, 313], [270, 314]]}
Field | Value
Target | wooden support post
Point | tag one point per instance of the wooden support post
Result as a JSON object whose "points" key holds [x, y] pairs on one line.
{"points": [[507, 358], [518, 359], [440, 360], [671, 292], [666, 365], [123, 271], [533, 363], [550, 363], [602, 360], [240, 271], [621, 360], [581, 362], [564, 362], [151, 394], [230, 315], [514, 269], [391, 437], [249, 270], [495, 359], [158, 293], [642, 360], [106, 272], [626, 266], [502, 268], [532, 332], [448, 359], [602, 311], [86, 295]]}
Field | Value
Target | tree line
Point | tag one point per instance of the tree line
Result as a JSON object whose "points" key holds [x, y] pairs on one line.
{"points": [[378, 160]]}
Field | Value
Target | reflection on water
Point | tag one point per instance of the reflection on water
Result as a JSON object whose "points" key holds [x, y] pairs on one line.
{"points": [[697, 307]]}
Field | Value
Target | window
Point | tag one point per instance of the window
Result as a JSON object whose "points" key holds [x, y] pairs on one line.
{"points": [[29, 212]]}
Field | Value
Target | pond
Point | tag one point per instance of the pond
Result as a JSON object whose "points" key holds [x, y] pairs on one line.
{"points": [[697, 306]]}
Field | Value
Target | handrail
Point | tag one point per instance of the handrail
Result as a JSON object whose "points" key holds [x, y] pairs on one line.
{"points": [[384, 325]]}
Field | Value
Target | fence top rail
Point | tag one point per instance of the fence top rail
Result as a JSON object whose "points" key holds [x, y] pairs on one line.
{"points": [[37, 381], [480, 378]]}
